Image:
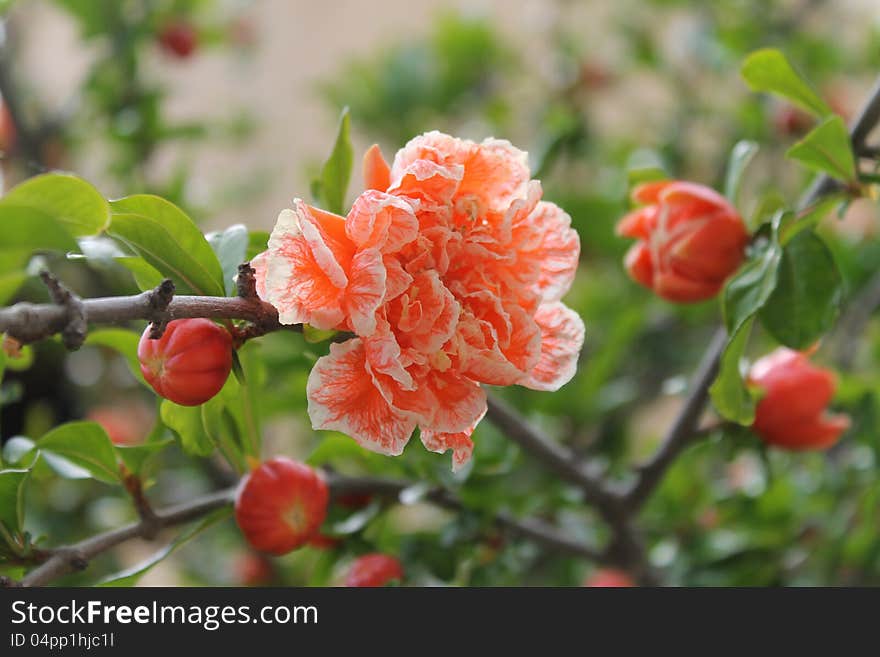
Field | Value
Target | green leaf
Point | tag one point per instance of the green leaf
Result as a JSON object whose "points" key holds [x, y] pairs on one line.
{"points": [[9, 285], [769, 71], [258, 241], [333, 182], [136, 456], [230, 246], [729, 393], [186, 422], [808, 293], [71, 201], [12, 484], [748, 291], [131, 576], [145, 275], [314, 335], [740, 156], [86, 445], [827, 149], [164, 236], [122, 341], [644, 165], [29, 229], [809, 218]]}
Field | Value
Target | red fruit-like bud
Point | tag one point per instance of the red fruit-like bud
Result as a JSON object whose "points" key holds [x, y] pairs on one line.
{"points": [[190, 362], [253, 569], [323, 542], [281, 505], [7, 129], [372, 570], [792, 414], [789, 120], [690, 240], [609, 578], [178, 38], [126, 424]]}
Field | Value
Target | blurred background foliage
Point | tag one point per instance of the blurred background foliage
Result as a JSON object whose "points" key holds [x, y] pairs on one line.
{"points": [[658, 88]]}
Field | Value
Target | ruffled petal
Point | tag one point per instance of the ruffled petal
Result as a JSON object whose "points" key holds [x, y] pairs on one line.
{"points": [[377, 174], [460, 443], [562, 337], [365, 291], [342, 397], [382, 221]]}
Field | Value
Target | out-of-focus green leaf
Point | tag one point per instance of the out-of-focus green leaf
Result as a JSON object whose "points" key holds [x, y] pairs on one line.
{"points": [[336, 172], [71, 201], [729, 393], [131, 576], [230, 245], [186, 422], [740, 156], [643, 166], [748, 291], [145, 275], [257, 243], [86, 445], [12, 485], [827, 149], [9, 284], [135, 456], [769, 71], [793, 225], [806, 300], [164, 236]]}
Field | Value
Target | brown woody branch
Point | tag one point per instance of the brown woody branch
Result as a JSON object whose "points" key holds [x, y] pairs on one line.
{"points": [[65, 560]]}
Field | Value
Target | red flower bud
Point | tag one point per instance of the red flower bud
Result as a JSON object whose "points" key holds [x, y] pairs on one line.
{"points": [[178, 38], [281, 505], [609, 578], [190, 362], [373, 570], [7, 129], [792, 413], [253, 569], [690, 240]]}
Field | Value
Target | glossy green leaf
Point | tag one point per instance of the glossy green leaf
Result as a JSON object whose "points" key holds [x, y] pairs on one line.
{"points": [[146, 277], [186, 422], [12, 485], [769, 71], [808, 293], [136, 456], [131, 576], [748, 291], [827, 149], [740, 157], [336, 172], [29, 229], [71, 201], [231, 246], [86, 445], [809, 218], [164, 236], [729, 394]]}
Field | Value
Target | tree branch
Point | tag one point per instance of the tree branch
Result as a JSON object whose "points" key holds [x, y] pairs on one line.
{"points": [[29, 322], [72, 558], [685, 424]]}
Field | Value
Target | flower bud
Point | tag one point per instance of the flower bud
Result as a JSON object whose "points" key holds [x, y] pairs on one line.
{"points": [[373, 570], [281, 505], [179, 39], [609, 578], [190, 362], [690, 240], [792, 412]]}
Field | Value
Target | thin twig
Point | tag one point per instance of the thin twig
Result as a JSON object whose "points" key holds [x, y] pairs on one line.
{"points": [[72, 558]]}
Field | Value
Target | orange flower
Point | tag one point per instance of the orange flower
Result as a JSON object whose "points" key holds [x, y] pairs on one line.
{"points": [[449, 269], [792, 413], [690, 240]]}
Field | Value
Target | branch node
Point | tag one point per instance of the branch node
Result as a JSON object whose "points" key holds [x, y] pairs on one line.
{"points": [[159, 300], [76, 326], [246, 281]]}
